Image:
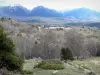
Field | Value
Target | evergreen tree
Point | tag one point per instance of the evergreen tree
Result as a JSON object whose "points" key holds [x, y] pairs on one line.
{"points": [[66, 54], [8, 58]]}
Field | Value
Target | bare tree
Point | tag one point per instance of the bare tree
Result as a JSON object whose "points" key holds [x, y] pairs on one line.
{"points": [[49, 43], [75, 42], [91, 46]]}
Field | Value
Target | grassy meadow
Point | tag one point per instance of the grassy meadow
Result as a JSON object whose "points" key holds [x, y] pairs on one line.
{"points": [[77, 67]]}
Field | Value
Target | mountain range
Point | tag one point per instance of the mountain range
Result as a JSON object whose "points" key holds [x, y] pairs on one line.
{"points": [[40, 11]]}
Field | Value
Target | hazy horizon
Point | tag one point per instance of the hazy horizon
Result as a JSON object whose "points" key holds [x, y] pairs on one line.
{"points": [[54, 4]]}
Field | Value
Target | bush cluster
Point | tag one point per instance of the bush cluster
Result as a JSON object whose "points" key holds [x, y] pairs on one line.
{"points": [[50, 65], [26, 72]]}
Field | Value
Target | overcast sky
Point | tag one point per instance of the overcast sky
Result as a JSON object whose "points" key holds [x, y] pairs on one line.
{"points": [[55, 4]]}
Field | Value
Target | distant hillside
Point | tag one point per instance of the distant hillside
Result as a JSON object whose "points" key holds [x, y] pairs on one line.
{"points": [[13, 11], [40, 11], [44, 12], [83, 14], [95, 24]]}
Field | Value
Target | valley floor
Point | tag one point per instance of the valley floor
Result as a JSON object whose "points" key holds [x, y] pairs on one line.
{"points": [[90, 66]]}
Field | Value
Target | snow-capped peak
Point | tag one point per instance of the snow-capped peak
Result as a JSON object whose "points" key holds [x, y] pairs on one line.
{"points": [[16, 5]]}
